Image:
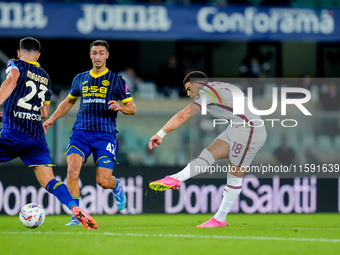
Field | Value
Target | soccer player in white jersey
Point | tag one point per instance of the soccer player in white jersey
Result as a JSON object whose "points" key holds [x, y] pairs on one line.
{"points": [[239, 142]]}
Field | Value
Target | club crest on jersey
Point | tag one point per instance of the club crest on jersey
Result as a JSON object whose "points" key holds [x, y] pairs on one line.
{"points": [[105, 82]]}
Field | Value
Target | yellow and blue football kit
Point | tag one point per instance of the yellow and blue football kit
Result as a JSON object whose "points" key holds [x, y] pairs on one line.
{"points": [[94, 130], [22, 134]]}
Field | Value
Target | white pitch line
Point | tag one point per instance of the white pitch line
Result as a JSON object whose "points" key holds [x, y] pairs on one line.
{"points": [[264, 238]]}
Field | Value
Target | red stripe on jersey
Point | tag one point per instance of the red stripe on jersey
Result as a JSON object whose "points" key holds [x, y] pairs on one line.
{"points": [[197, 104], [213, 90]]}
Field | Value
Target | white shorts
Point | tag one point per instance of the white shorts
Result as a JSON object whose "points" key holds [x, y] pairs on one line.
{"points": [[244, 144]]}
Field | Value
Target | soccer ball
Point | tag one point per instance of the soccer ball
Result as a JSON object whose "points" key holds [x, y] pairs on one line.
{"points": [[32, 215]]}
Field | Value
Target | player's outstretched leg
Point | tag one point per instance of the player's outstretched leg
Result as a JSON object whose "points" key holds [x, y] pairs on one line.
{"points": [[119, 195], [84, 218], [165, 183], [212, 223]]}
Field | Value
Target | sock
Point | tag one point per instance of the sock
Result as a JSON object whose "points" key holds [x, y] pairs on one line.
{"points": [[230, 193], [192, 169], [117, 185], [76, 199], [60, 190]]}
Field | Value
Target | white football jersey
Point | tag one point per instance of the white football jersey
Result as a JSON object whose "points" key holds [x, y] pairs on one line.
{"points": [[246, 129]]}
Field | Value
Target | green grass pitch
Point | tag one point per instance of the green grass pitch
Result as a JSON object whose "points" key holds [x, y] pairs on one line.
{"points": [[176, 234]]}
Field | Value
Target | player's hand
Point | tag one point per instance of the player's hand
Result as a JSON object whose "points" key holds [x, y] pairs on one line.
{"points": [[47, 124], [115, 106], [155, 141], [0, 116]]}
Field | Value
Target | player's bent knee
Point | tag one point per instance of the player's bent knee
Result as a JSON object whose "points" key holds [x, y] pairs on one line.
{"points": [[104, 183], [73, 173]]}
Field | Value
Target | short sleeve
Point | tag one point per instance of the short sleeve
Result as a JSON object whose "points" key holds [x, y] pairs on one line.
{"points": [[10, 66], [48, 94], [124, 94], [74, 92]]}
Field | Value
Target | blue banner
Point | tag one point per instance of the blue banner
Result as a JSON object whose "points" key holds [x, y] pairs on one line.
{"points": [[159, 22]]}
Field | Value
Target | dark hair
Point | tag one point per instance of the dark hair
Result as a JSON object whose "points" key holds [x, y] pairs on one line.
{"points": [[29, 44], [200, 76], [100, 43]]}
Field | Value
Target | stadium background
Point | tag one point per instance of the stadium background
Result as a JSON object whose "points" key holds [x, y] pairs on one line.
{"points": [[310, 48]]}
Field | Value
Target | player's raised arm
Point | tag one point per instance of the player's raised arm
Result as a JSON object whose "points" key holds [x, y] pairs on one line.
{"points": [[62, 109], [9, 85], [176, 121]]}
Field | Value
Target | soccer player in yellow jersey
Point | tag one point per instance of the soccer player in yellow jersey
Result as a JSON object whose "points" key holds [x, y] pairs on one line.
{"points": [[94, 131], [26, 94]]}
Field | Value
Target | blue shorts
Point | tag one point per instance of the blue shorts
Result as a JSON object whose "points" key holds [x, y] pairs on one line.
{"points": [[33, 152], [103, 147]]}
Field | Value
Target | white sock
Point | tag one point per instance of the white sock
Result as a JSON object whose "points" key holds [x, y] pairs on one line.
{"points": [[230, 193], [205, 159]]}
